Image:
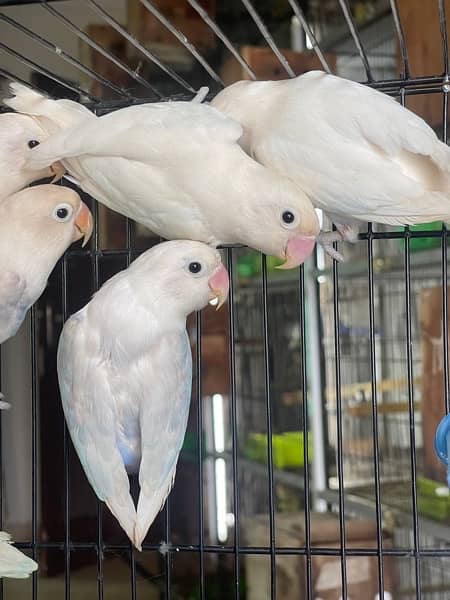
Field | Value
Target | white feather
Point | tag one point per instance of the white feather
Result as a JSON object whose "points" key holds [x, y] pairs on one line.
{"points": [[177, 168], [124, 367], [356, 152], [13, 562]]}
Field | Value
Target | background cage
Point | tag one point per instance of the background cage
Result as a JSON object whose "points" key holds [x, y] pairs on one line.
{"points": [[308, 453]]}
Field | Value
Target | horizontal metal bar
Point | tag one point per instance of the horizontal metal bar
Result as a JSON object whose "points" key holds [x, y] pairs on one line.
{"points": [[294, 551]]}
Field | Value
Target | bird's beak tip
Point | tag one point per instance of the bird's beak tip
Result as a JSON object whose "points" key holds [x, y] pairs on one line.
{"points": [[297, 251], [84, 223], [219, 284]]}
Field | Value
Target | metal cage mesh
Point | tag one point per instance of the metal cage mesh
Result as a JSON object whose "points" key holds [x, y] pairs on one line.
{"points": [[326, 363]]}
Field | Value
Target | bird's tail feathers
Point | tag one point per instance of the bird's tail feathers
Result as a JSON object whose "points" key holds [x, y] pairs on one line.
{"points": [[13, 562], [24, 99], [123, 509], [148, 507]]}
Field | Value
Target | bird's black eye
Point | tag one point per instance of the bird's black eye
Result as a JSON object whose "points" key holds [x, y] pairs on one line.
{"points": [[195, 267], [33, 143], [62, 213], [288, 217]]}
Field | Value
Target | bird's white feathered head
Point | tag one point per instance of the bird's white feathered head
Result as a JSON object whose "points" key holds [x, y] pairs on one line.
{"points": [[43, 221], [19, 134], [185, 274]]}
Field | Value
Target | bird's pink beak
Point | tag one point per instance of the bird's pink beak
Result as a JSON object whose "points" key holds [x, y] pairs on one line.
{"points": [[84, 224], [219, 284], [297, 251]]}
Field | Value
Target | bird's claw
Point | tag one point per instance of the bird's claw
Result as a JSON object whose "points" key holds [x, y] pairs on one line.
{"points": [[3, 404], [326, 239], [333, 253]]}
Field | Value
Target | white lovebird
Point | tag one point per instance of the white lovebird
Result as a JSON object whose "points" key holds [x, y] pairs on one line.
{"points": [[18, 135], [37, 225], [357, 153], [125, 368], [178, 169], [13, 562]]}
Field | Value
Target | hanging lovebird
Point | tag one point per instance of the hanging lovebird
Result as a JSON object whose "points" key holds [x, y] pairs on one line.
{"points": [[125, 369], [178, 169], [18, 135], [13, 562], [37, 225], [357, 153]]}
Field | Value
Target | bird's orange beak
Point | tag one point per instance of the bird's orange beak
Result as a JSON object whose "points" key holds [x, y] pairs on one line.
{"points": [[57, 170], [219, 284], [84, 224], [297, 251]]}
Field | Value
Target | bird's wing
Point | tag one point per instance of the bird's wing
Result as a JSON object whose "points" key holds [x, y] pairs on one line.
{"points": [[163, 425], [87, 401], [143, 133], [13, 562], [361, 148], [12, 308]]}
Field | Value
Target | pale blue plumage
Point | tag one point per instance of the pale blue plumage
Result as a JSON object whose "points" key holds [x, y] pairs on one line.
{"points": [[124, 367]]}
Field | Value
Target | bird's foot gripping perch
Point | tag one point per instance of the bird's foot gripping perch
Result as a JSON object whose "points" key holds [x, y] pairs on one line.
{"points": [[326, 239], [442, 443], [3, 404]]}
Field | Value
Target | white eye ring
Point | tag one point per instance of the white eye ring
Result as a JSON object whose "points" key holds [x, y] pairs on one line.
{"points": [[288, 218], [62, 212]]}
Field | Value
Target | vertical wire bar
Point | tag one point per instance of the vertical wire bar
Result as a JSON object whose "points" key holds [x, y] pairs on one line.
{"points": [[305, 417], [66, 446], [167, 570], [356, 38], [373, 380], [443, 30], [445, 275], [273, 581], [129, 243], [52, 48], [93, 44], [231, 318], [401, 37], [134, 42], [34, 449], [201, 539], [182, 39], [222, 37], [309, 32], [412, 436], [410, 379], [267, 36], [99, 503], [340, 463]]}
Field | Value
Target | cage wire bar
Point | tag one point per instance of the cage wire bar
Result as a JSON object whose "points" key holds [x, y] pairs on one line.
{"points": [[401, 87]]}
